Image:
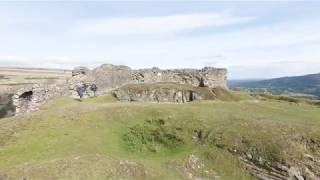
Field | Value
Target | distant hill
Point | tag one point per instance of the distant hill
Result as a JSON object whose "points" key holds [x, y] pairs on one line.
{"points": [[304, 85]]}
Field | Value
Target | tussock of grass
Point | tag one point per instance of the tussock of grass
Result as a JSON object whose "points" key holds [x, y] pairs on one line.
{"points": [[154, 135]]}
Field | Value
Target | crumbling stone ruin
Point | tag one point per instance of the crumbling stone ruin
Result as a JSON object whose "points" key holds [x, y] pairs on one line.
{"points": [[208, 76], [30, 98], [166, 93], [163, 92], [109, 77]]}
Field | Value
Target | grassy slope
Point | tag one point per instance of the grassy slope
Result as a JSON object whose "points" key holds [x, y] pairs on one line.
{"points": [[228, 95], [66, 130]]}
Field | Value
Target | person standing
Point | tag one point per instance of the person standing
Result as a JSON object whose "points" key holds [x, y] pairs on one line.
{"points": [[80, 90], [94, 89]]}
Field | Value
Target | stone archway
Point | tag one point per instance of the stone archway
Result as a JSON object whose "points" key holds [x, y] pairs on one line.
{"points": [[26, 95]]}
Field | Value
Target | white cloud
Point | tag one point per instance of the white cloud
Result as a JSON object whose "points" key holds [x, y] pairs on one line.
{"points": [[158, 24], [255, 50]]}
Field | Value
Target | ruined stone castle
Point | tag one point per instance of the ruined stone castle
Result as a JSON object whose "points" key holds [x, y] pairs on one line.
{"points": [[109, 77]]}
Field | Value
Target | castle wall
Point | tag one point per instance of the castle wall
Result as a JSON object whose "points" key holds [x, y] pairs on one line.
{"points": [[30, 98], [108, 76]]}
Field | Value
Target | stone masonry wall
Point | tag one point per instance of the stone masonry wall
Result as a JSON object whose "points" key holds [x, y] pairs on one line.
{"points": [[108, 77], [30, 98], [207, 76]]}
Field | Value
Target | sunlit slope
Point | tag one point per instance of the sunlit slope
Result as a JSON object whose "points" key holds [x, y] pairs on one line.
{"points": [[100, 138]]}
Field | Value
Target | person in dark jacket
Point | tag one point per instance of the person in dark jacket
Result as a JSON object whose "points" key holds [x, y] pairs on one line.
{"points": [[94, 89], [80, 90]]}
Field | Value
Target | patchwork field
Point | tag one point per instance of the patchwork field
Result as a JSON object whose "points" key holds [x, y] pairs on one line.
{"points": [[12, 77], [100, 138]]}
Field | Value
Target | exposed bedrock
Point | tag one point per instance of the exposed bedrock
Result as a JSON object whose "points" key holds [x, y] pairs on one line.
{"points": [[162, 92]]}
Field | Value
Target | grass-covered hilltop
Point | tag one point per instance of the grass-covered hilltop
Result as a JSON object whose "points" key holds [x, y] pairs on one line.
{"points": [[232, 136], [159, 90]]}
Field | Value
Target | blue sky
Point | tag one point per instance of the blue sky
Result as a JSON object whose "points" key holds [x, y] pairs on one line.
{"points": [[251, 39]]}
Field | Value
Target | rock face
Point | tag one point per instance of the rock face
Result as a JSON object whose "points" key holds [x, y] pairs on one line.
{"points": [[162, 92], [108, 77], [306, 168]]}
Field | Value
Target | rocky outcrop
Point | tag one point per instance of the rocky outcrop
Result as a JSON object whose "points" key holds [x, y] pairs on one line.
{"points": [[307, 168], [162, 92], [279, 171]]}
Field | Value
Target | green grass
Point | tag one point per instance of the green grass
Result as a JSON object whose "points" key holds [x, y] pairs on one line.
{"points": [[287, 99], [66, 129], [228, 95]]}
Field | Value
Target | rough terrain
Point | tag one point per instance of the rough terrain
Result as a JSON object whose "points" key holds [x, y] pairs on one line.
{"points": [[102, 138], [31, 87], [230, 135]]}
